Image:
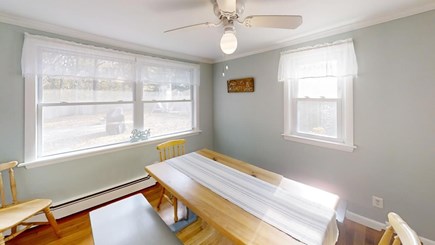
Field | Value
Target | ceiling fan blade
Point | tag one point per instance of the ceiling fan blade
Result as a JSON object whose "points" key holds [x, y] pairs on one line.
{"points": [[205, 24], [228, 6], [273, 21]]}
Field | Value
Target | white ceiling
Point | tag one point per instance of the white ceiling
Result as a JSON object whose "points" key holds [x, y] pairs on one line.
{"points": [[142, 22]]}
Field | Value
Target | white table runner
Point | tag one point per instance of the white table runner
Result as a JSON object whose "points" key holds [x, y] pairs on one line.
{"points": [[304, 220]]}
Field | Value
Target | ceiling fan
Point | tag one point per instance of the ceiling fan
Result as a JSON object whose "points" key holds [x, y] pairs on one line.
{"points": [[229, 12]]}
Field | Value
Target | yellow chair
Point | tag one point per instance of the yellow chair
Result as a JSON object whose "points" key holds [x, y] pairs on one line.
{"points": [[167, 150], [14, 215], [405, 235]]}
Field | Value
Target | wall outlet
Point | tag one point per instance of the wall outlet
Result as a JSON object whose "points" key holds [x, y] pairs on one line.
{"points": [[377, 202]]}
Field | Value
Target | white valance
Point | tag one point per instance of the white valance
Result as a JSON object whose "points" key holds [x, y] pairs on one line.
{"points": [[54, 57], [332, 59], [156, 71]]}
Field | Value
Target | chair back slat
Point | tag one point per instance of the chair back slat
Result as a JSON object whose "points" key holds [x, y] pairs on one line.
{"points": [[9, 167], [13, 186], [170, 149], [2, 191], [397, 241], [387, 236]]}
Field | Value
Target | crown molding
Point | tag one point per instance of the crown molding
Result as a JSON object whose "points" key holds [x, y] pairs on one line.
{"points": [[70, 32], [304, 37], [334, 30]]}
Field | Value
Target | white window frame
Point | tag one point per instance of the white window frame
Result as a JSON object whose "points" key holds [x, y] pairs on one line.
{"points": [[321, 61], [30, 134], [194, 98], [345, 142], [33, 121]]}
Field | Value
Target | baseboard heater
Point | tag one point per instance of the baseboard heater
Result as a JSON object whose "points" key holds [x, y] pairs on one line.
{"points": [[100, 197]]}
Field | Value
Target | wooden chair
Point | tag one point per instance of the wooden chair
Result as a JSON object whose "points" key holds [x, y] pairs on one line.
{"points": [[14, 215], [167, 150], [404, 234]]}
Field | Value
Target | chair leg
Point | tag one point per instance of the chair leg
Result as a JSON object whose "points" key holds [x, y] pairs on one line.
{"points": [[14, 230], [2, 239], [52, 221], [161, 198], [175, 203]]}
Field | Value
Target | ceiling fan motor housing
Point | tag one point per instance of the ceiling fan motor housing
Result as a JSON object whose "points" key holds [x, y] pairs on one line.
{"points": [[234, 15]]}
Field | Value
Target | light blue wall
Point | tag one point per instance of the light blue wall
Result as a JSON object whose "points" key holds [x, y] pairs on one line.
{"points": [[394, 114], [70, 179], [394, 98]]}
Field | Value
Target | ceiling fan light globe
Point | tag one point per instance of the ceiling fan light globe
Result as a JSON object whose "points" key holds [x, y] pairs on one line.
{"points": [[228, 43]]}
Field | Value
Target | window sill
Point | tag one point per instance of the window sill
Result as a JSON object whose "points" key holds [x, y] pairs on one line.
{"points": [[102, 150], [321, 143]]}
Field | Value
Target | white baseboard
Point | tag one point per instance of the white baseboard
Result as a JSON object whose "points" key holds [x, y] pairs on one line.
{"points": [[365, 221], [377, 225]]}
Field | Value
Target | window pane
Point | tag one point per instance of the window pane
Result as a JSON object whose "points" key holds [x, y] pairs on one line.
{"points": [[168, 117], [317, 117], [70, 128], [55, 89], [166, 91], [326, 87]]}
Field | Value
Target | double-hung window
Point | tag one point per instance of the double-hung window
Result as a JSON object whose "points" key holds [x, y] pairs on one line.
{"points": [[167, 97], [80, 97], [318, 94]]}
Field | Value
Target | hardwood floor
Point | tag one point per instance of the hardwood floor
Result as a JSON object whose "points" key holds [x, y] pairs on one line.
{"points": [[76, 229], [352, 233]]}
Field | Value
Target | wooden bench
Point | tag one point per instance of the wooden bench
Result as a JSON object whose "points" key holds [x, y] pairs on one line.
{"points": [[130, 221]]}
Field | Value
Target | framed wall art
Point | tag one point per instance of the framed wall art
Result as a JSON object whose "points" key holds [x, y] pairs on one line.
{"points": [[241, 85]]}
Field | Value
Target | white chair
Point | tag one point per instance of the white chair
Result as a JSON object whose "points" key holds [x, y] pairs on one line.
{"points": [[404, 234]]}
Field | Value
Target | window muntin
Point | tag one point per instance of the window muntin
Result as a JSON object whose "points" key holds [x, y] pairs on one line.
{"points": [[82, 97]]}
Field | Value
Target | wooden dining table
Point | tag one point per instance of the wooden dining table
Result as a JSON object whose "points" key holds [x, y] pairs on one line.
{"points": [[229, 219]]}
